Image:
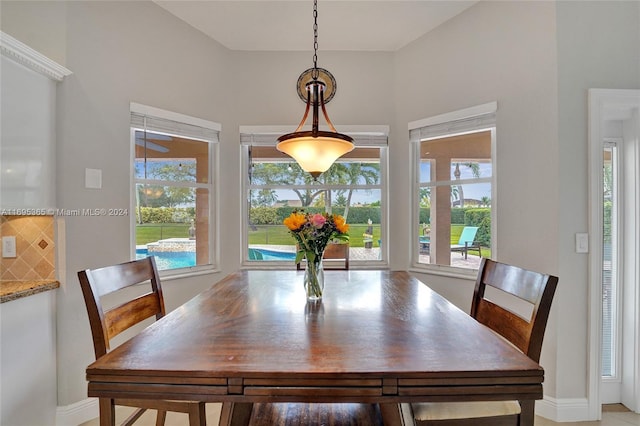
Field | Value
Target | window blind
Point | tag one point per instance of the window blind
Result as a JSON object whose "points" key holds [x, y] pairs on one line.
{"points": [[270, 138], [463, 121], [157, 120]]}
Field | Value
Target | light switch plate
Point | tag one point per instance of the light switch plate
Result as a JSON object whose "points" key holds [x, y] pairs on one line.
{"points": [[93, 178], [582, 242], [9, 246]]}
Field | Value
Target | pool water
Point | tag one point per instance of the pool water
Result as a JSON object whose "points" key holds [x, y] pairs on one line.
{"points": [[185, 259], [170, 260], [274, 254]]}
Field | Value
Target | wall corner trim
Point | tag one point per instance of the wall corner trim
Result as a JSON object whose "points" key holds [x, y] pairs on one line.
{"points": [[30, 58]]}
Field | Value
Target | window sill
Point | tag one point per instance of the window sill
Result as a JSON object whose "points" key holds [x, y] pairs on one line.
{"points": [[445, 271]]}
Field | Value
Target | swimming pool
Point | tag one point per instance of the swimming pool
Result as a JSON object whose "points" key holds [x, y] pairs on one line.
{"points": [[266, 254], [185, 259], [169, 259]]}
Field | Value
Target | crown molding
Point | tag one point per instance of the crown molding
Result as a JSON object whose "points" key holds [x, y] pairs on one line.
{"points": [[30, 58]]}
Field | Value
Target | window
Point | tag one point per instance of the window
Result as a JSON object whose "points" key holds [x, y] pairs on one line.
{"points": [[354, 187], [173, 189], [610, 279], [453, 169]]}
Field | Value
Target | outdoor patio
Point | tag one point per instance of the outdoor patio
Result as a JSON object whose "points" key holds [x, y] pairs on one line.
{"points": [[361, 253]]}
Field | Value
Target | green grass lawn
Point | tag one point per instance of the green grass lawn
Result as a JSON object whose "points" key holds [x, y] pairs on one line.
{"points": [[279, 235], [274, 234], [149, 233]]}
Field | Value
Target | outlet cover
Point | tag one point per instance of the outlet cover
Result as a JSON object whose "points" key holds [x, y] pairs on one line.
{"points": [[9, 246]]}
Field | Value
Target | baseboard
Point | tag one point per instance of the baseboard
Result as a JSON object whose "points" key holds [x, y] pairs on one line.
{"points": [[77, 413], [563, 410]]}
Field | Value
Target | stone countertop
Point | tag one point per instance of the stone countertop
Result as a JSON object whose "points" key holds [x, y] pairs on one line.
{"points": [[12, 290]]}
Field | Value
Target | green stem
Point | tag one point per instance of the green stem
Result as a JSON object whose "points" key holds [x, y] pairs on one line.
{"points": [[314, 288]]}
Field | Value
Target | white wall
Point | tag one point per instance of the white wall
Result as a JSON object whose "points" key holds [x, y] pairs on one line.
{"points": [[598, 47], [524, 55]]}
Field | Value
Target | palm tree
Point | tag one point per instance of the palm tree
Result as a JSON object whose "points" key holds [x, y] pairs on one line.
{"points": [[370, 172], [475, 170]]}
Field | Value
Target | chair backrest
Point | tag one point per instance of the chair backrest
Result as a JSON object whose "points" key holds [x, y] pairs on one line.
{"points": [[339, 251], [533, 287], [96, 283], [334, 253], [468, 235]]}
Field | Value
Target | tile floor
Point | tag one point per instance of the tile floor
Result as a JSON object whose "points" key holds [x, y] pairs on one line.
{"points": [[614, 415]]}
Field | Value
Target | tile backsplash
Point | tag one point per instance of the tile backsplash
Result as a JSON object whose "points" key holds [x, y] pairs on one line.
{"points": [[35, 248]]}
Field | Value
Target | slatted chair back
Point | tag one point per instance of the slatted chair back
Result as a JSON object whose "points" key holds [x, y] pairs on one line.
{"points": [[535, 288], [96, 283]]}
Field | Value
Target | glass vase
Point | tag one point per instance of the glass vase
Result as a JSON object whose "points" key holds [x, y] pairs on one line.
{"points": [[314, 279]]}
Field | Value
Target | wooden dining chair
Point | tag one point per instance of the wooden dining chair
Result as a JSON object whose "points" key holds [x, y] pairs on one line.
{"points": [[108, 323], [524, 332], [336, 256]]}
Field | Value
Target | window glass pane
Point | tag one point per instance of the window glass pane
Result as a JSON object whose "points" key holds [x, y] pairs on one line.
{"points": [[426, 168], [609, 276], [172, 192], [277, 186], [171, 158], [176, 233], [454, 199]]}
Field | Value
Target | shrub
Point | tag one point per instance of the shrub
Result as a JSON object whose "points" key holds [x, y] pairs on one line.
{"points": [[264, 216], [165, 214]]}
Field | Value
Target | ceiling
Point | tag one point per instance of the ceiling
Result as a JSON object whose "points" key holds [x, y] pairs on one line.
{"points": [[359, 25]]}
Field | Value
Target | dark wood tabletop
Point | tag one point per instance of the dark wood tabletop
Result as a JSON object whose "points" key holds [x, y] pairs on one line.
{"points": [[378, 336]]}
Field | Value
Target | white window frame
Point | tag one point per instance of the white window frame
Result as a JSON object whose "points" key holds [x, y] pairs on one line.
{"points": [[209, 133], [364, 135], [469, 120]]}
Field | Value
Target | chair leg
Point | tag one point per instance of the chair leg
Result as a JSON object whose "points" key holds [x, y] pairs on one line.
{"points": [[107, 412], [527, 413]]}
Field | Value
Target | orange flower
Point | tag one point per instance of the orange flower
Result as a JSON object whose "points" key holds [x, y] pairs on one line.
{"points": [[341, 226], [295, 221]]}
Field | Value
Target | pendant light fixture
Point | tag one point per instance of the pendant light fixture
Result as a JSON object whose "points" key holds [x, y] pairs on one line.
{"points": [[315, 150]]}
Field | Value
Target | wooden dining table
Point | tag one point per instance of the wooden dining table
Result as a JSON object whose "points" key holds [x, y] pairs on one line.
{"points": [[379, 337]]}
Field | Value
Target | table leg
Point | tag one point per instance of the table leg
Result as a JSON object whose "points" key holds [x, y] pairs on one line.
{"points": [[527, 412], [235, 414], [107, 412], [391, 414]]}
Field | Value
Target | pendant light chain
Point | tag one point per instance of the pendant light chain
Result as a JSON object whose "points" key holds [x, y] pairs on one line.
{"points": [[315, 73], [315, 150]]}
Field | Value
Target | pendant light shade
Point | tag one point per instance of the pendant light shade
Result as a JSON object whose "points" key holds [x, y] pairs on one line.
{"points": [[315, 150], [315, 154]]}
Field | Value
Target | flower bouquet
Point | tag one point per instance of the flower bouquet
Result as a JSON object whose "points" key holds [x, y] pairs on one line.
{"points": [[312, 233]]}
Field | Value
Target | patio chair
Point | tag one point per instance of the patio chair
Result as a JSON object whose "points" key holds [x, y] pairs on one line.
{"points": [[524, 332], [254, 254], [467, 241], [108, 323]]}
